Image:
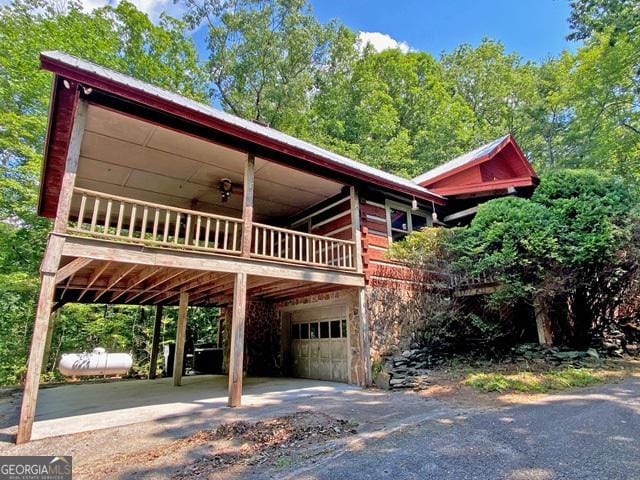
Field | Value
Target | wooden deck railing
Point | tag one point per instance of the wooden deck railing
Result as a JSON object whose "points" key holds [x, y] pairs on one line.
{"points": [[276, 243], [127, 220], [123, 219]]}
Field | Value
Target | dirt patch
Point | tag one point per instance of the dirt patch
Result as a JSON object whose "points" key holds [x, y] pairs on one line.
{"points": [[277, 442]]}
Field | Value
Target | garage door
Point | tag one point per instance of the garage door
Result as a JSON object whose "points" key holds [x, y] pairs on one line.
{"points": [[319, 344]]}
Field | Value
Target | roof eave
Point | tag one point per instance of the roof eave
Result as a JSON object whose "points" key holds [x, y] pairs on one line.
{"points": [[62, 69]]}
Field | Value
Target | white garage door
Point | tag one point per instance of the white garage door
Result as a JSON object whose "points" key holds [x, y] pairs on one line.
{"points": [[319, 343]]}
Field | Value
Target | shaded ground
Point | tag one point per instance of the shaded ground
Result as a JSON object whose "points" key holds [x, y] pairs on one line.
{"points": [[455, 432]]}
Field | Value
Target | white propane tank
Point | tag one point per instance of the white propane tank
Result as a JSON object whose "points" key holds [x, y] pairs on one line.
{"points": [[98, 362]]}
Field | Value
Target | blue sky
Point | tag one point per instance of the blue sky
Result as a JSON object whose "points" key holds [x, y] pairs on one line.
{"points": [[533, 28]]}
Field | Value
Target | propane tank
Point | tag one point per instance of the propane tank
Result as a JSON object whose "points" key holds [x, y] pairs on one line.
{"points": [[97, 362]]}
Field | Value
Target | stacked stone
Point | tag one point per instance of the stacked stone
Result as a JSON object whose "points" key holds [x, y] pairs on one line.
{"points": [[408, 370]]}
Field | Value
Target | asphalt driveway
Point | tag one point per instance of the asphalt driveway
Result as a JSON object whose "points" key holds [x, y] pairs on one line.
{"points": [[588, 434], [591, 433]]}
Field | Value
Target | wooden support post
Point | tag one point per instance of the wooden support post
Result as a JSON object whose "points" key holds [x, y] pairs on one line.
{"points": [[71, 167], [221, 314], [155, 343], [181, 333], [365, 350], [237, 340], [247, 205], [47, 344], [543, 322], [48, 270], [356, 234]]}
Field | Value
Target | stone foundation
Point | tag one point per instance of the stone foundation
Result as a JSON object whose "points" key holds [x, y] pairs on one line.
{"points": [[262, 334], [395, 319]]}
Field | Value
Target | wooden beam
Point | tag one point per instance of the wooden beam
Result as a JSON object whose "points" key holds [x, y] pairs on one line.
{"points": [[127, 253], [237, 340], [113, 281], [175, 284], [155, 343], [71, 268], [181, 332], [48, 269], [247, 205], [364, 350], [137, 280], [155, 282], [356, 233], [99, 271], [71, 167], [192, 287]]}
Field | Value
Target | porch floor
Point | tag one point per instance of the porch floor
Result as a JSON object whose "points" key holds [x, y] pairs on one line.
{"points": [[78, 408]]}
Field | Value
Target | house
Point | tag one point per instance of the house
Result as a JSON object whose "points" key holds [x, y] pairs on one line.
{"points": [[160, 200]]}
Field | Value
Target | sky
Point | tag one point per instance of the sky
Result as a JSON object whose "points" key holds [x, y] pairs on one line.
{"points": [[535, 29]]}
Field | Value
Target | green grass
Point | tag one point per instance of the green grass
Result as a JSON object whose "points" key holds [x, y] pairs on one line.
{"points": [[534, 382]]}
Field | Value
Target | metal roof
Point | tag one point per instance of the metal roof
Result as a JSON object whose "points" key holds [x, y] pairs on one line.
{"points": [[457, 162], [260, 130]]}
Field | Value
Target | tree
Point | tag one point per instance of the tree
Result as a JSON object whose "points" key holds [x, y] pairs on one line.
{"points": [[570, 251], [591, 17], [265, 56], [499, 88], [397, 111], [118, 37]]}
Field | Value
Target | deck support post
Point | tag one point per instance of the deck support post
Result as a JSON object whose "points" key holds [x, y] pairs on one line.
{"points": [[365, 351], [181, 333], [247, 205], [237, 339], [48, 270], [356, 234], [155, 343], [543, 322]]}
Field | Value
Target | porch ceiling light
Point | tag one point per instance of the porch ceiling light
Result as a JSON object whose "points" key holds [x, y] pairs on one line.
{"points": [[225, 189]]}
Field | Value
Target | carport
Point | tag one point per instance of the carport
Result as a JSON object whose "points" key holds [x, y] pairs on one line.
{"points": [[76, 408]]}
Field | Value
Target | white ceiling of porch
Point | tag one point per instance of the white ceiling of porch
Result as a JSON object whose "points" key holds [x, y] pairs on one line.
{"points": [[132, 158]]}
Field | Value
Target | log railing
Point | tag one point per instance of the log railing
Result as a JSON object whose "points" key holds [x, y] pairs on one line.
{"points": [[274, 243], [124, 219], [121, 219]]}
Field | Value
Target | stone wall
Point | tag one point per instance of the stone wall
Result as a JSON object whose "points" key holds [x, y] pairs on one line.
{"points": [[396, 318], [262, 334]]}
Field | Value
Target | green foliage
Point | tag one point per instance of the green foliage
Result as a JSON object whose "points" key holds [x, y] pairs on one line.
{"points": [[534, 382], [573, 243], [266, 56], [119, 37], [590, 17]]}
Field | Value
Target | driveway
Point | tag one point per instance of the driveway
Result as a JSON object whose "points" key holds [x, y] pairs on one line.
{"points": [[589, 433]]}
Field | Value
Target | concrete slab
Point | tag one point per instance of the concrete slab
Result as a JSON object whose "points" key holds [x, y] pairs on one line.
{"points": [[72, 408]]}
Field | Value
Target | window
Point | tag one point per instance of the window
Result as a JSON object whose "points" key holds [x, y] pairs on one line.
{"points": [[402, 219], [335, 329], [313, 330], [324, 329]]}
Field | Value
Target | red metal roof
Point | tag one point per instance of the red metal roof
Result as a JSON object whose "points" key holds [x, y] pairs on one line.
{"points": [[498, 165]]}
